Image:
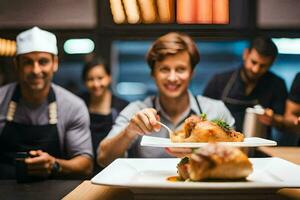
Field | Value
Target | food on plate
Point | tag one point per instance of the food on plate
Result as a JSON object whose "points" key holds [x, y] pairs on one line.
{"points": [[215, 161], [148, 11], [199, 129], [132, 11], [117, 11]]}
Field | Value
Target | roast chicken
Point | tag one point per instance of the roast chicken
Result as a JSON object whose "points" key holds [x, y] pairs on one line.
{"points": [[215, 162], [199, 129]]}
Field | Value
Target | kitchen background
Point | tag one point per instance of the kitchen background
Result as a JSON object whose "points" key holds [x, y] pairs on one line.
{"points": [[124, 45]]}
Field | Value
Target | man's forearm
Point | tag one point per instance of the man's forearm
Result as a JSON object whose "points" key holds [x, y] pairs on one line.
{"points": [[278, 122], [112, 148], [285, 124], [291, 126], [79, 166]]}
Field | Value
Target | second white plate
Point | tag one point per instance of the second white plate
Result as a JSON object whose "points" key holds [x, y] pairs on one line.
{"points": [[153, 173], [166, 142]]}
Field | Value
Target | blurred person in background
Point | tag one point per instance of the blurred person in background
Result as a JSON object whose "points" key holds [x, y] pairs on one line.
{"points": [[290, 121], [44, 123], [252, 83], [102, 104], [172, 59], [7, 74], [1, 78]]}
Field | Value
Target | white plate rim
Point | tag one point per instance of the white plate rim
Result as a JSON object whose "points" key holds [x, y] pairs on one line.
{"points": [[166, 142], [199, 185]]}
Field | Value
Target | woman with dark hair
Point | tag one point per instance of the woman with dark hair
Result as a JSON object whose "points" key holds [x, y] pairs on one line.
{"points": [[103, 106]]}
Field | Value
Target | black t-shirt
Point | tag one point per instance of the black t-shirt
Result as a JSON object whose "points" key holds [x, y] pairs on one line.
{"points": [[270, 92], [294, 94], [116, 103], [101, 124]]}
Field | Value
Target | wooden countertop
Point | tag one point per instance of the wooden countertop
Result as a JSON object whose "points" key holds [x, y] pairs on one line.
{"points": [[89, 191], [291, 154]]}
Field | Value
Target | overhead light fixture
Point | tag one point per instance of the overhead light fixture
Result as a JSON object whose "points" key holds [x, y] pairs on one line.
{"points": [[287, 45], [79, 46], [7, 47]]}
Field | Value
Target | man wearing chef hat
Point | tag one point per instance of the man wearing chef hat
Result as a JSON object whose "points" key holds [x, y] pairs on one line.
{"points": [[40, 119]]}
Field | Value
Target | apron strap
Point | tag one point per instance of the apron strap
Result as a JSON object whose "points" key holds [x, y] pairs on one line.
{"points": [[12, 106], [153, 101], [198, 104], [226, 99], [229, 85]]}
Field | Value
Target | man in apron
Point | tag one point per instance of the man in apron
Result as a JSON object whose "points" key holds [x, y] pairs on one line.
{"points": [[46, 124], [172, 59], [252, 83]]}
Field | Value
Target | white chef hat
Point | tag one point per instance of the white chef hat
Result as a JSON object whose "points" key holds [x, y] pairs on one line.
{"points": [[36, 39]]}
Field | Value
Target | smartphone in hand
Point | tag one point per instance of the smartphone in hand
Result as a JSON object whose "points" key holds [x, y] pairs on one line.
{"points": [[21, 167]]}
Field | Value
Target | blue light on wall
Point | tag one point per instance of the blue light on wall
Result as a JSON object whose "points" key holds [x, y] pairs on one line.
{"points": [[288, 45]]}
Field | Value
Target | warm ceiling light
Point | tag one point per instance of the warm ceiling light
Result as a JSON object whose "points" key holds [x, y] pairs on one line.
{"points": [[7, 47], [79, 46]]}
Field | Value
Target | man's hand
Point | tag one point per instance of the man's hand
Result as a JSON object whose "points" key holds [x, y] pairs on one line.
{"points": [[40, 164], [267, 118], [143, 122], [297, 121], [178, 152]]}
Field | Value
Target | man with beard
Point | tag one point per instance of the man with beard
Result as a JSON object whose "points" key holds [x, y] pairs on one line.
{"points": [[46, 124], [252, 83]]}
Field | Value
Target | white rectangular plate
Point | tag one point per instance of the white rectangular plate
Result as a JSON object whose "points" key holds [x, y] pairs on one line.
{"points": [[166, 142], [152, 173]]}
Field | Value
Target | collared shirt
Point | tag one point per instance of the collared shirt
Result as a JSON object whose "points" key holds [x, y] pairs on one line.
{"points": [[270, 92], [214, 109], [294, 94], [73, 119]]}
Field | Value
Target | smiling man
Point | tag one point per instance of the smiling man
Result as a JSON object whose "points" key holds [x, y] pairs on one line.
{"points": [[172, 59], [41, 119], [252, 83]]}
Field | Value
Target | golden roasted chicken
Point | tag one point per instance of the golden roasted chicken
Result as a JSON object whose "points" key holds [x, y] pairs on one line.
{"points": [[215, 162], [199, 129]]}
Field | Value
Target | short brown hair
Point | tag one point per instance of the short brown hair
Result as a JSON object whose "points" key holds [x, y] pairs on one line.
{"points": [[264, 46], [171, 44]]}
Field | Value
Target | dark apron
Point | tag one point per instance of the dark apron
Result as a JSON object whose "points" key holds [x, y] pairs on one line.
{"points": [[100, 127], [18, 137], [237, 107]]}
